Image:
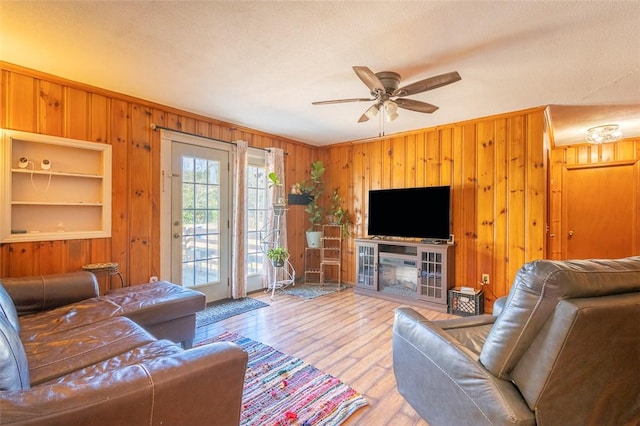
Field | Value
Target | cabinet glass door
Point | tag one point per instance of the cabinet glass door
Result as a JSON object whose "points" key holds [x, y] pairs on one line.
{"points": [[366, 262], [431, 280]]}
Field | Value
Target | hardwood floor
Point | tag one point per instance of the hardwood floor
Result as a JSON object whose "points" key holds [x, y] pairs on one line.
{"points": [[344, 334]]}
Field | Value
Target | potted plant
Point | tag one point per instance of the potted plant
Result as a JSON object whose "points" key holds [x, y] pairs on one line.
{"points": [[314, 188], [278, 204], [337, 215], [297, 197], [277, 256]]}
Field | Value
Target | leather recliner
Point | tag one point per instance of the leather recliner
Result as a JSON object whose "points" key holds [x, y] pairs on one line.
{"points": [[563, 348]]}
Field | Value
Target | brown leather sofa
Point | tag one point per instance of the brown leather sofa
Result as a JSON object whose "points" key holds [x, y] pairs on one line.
{"points": [[562, 349], [70, 356]]}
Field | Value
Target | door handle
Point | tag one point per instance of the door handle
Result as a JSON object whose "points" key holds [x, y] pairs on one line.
{"points": [[570, 234]]}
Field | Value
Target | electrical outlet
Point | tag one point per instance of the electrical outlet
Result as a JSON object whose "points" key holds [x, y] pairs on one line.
{"points": [[153, 279], [485, 279]]}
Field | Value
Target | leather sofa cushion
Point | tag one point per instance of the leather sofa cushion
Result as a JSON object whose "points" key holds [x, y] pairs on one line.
{"points": [[156, 302], [138, 355], [8, 308], [469, 331], [537, 288], [586, 355], [14, 371], [58, 354], [43, 292], [37, 326]]}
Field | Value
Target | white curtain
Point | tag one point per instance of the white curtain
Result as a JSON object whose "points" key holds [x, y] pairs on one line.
{"points": [[275, 163], [238, 255]]}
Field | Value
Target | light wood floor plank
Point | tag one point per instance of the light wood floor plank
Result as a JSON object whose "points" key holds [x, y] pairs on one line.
{"points": [[344, 334]]}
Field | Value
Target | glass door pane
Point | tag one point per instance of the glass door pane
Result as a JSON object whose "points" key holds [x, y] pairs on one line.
{"points": [[200, 220]]}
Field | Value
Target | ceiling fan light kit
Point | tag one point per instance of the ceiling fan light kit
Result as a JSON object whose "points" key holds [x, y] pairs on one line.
{"points": [[390, 109], [388, 97], [371, 112], [604, 134]]}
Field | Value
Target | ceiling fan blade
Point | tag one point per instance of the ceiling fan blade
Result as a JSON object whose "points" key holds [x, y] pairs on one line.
{"points": [[341, 101], [414, 105], [369, 78], [428, 84]]}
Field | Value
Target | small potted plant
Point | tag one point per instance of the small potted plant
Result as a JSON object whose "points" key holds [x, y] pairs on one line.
{"points": [[277, 256], [275, 182], [314, 187]]}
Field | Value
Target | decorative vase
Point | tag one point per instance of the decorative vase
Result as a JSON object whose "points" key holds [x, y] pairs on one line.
{"points": [[314, 238]]}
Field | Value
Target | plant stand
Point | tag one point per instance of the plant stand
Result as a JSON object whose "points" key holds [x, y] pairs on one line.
{"points": [[282, 277], [331, 251], [311, 264]]}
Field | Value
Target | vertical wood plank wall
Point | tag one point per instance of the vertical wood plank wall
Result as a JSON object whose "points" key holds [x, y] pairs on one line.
{"points": [[35, 102], [497, 167]]}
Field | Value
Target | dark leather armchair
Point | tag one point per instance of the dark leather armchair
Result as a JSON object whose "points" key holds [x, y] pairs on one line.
{"points": [[564, 350]]}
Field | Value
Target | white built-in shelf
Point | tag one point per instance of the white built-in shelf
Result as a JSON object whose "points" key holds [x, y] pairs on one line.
{"points": [[70, 200], [54, 203], [47, 173]]}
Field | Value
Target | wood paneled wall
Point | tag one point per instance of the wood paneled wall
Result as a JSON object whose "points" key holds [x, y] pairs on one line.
{"points": [[35, 102], [497, 167]]}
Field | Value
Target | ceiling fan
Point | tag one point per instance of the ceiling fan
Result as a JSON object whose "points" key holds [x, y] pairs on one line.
{"points": [[387, 95]]}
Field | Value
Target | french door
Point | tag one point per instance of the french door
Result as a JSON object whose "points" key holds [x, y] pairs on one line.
{"points": [[200, 233]]}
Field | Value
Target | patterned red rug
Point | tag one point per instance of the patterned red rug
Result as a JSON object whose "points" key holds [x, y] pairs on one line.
{"points": [[282, 390]]}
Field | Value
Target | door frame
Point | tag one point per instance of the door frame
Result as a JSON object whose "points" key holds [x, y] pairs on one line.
{"points": [[167, 137]]}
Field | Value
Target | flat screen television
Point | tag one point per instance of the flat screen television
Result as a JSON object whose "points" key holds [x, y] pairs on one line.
{"points": [[423, 212]]}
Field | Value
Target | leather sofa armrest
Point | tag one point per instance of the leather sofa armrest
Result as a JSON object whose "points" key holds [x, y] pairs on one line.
{"points": [[462, 322], [199, 386], [498, 305], [44, 292], [444, 381]]}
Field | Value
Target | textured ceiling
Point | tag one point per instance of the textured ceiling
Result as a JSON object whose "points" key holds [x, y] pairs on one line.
{"points": [[261, 64]]}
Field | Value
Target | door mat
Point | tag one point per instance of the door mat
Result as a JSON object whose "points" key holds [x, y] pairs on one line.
{"points": [[313, 290], [226, 308]]}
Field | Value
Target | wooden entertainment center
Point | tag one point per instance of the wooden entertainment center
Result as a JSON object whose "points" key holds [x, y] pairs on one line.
{"points": [[409, 272]]}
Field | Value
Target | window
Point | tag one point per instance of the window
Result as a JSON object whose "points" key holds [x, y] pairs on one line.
{"points": [[200, 221], [256, 216]]}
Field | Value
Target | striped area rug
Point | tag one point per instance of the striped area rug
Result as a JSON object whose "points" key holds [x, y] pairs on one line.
{"points": [[282, 390]]}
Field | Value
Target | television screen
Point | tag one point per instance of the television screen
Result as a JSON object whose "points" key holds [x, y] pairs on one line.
{"points": [[410, 212]]}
